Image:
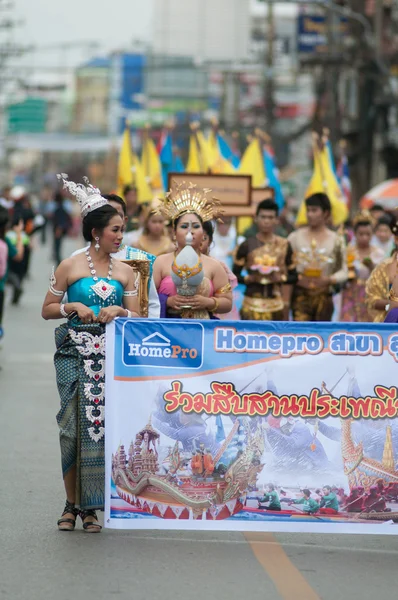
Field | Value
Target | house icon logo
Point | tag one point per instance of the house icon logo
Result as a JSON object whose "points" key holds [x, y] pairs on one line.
{"points": [[156, 339], [163, 345]]}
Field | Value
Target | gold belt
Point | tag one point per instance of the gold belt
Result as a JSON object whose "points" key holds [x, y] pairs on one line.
{"points": [[262, 304]]}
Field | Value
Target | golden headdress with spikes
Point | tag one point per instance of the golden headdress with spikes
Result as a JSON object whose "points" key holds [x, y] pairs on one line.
{"points": [[186, 197], [364, 217]]}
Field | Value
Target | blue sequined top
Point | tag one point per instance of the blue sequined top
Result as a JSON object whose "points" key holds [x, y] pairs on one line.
{"points": [[81, 291]]}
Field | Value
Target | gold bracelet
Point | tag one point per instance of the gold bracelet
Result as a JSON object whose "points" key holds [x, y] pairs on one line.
{"points": [[392, 297], [216, 305]]}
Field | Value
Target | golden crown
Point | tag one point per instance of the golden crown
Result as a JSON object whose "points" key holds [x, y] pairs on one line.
{"points": [[363, 217], [187, 197]]}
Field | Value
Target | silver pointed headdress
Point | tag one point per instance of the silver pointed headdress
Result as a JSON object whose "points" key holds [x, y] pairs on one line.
{"points": [[88, 196]]}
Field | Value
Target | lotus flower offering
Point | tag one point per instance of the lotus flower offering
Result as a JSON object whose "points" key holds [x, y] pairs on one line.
{"points": [[314, 260], [187, 272], [265, 264]]}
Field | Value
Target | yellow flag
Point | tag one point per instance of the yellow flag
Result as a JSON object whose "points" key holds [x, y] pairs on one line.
{"points": [[252, 163], [324, 180], [333, 190], [207, 154], [144, 192], [218, 164], [124, 174], [193, 164], [151, 164]]}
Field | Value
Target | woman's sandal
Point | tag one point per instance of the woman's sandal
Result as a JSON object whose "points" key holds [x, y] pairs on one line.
{"points": [[69, 524], [90, 526]]}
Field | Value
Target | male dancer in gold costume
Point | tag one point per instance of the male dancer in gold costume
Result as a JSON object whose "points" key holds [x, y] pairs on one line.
{"points": [[269, 262], [320, 259]]}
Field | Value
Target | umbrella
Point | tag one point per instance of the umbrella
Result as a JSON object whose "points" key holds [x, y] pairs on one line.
{"points": [[385, 194]]}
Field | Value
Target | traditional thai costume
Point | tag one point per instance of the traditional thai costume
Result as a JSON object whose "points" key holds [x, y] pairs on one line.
{"points": [[80, 369], [263, 300], [353, 306], [187, 277], [378, 288], [312, 261], [128, 254], [164, 246]]}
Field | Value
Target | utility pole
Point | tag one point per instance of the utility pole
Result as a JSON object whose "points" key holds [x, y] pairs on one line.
{"points": [[269, 68], [379, 13]]}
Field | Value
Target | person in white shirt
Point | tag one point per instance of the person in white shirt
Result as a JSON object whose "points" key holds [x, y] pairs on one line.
{"points": [[129, 253], [383, 237]]}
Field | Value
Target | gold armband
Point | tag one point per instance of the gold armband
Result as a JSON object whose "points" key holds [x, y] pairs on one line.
{"points": [[224, 290], [216, 305]]}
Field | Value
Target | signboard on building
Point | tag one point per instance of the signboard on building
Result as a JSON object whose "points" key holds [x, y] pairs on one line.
{"points": [[312, 34]]}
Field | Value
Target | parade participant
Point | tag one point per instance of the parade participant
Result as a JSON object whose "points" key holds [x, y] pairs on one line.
{"points": [[377, 212], [382, 288], [154, 238], [62, 223], [310, 506], [99, 289], [320, 262], [126, 252], [268, 259], [383, 236], [188, 207], [362, 257], [329, 504], [133, 212], [9, 253], [5, 198], [272, 497], [206, 246], [224, 240]]}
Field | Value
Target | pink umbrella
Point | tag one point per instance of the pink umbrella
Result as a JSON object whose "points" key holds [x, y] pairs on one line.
{"points": [[385, 194]]}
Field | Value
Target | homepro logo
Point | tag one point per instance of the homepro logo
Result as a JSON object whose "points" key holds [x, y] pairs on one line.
{"points": [[163, 345]]}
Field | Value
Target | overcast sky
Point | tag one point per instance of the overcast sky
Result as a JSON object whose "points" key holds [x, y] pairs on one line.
{"points": [[113, 23]]}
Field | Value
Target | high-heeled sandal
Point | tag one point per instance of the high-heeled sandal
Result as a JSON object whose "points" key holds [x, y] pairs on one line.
{"points": [[90, 526], [67, 521]]}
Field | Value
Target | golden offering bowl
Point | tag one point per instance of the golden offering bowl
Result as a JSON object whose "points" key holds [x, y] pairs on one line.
{"points": [[312, 272]]}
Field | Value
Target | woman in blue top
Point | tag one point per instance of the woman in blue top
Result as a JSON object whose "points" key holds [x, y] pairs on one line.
{"points": [[99, 289]]}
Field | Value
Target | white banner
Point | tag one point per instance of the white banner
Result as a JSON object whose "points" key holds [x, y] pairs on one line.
{"points": [[247, 426]]}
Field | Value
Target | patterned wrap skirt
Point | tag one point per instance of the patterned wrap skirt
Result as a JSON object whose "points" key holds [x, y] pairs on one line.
{"points": [[80, 371]]}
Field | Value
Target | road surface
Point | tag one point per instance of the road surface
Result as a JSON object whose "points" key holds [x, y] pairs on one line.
{"points": [[38, 562]]}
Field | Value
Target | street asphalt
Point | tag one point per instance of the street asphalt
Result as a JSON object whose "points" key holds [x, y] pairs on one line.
{"points": [[38, 562]]}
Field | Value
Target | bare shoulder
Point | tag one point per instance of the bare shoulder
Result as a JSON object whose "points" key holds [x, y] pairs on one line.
{"points": [[210, 261], [122, 268], [67, 264], [164, 258]]}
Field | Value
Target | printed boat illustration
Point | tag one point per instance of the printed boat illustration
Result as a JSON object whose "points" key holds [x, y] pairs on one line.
{"points": [[207, 492]]}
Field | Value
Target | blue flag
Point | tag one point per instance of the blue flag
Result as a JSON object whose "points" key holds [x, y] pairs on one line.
{"points": [[271, 172]]}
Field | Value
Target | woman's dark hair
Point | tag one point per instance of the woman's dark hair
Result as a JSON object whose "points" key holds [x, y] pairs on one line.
{"points": [[129, 188], [321, 200], [386, 220], [209, 230], [98, 219], [364, 223], [117, 199], [306, 492], [176, 221], [58, 198]]}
